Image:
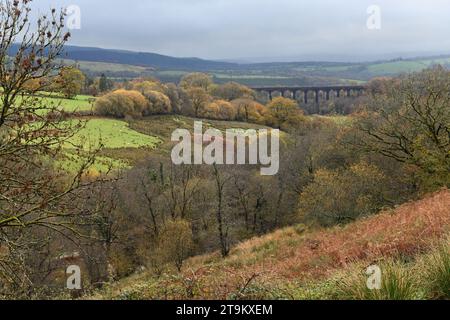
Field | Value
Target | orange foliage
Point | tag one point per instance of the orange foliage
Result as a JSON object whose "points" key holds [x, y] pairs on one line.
{"points": [[408, 230]]}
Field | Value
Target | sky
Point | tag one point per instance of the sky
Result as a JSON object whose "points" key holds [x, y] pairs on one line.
{"points": [[264, 30]]}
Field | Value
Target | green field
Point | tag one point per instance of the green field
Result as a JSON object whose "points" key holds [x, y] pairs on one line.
{"points": [[397, 67], [53, 100], [125, 145], [112, 134], [105, 67], [121, 146], [79, 103]]}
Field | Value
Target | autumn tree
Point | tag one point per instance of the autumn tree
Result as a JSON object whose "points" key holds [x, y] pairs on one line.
{"points": [[196, 80], [176, 101], [342, 196], [219, 110], [408, 119], [284, 113], [70, 81], [159, 103], [199, 99], [232, 91], [175, 242], [249, 110], [155, 93], [147, 85]]}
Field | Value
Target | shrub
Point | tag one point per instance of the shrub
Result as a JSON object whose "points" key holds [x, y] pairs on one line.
{"points": [[121, 103], [158, 103]]}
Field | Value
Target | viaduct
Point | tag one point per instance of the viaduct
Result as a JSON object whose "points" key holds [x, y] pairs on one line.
{"points": [[304, 93]]}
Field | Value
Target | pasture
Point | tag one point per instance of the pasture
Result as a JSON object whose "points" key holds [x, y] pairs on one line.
{"points": [[121, 146], [79, 103], [52, 100], [111, 134]]}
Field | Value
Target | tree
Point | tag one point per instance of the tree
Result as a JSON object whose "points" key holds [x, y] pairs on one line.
{"points": [[222, 228], [408, 119], [173, 93], [70, 81], [232, 91], [105, 84], [283, 113], [33, 195], [196, 80], [175, 242], [154, 91], [159, 103], [33, 84], [219, 110], [342, 196], [199, 99], [148, 85], [249, 110]]}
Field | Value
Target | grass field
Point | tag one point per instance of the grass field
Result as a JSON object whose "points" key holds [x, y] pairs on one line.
{"points": [[79, 103], [112, 134], [397, 67], [121, 146], [105, 67]]}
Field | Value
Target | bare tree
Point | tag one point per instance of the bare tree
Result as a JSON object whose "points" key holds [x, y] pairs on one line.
{"points": [[33, 193], [221, 224]]}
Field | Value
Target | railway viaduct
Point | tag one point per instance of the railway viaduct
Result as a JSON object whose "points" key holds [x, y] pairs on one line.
{"points": [[304, 92]]}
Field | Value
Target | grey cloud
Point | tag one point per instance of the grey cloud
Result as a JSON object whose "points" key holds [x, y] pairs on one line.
{"points": [[261, 28]]}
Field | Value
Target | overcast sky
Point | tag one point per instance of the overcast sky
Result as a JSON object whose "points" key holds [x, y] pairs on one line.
{"points": [[263, 29]]}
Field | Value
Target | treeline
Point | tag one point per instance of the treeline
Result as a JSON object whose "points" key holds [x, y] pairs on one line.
{"points": [[199, 97], [196, 95]]}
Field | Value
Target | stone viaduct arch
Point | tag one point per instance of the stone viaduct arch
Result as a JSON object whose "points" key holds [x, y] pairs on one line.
{"points": [[303, 93]]}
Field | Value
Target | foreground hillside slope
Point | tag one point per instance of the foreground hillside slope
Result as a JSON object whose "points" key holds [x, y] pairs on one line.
{"points": [[410, 244]]}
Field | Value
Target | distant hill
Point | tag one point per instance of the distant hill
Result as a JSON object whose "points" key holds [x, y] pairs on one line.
{"points": [[142, 59], [128, 64]]}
